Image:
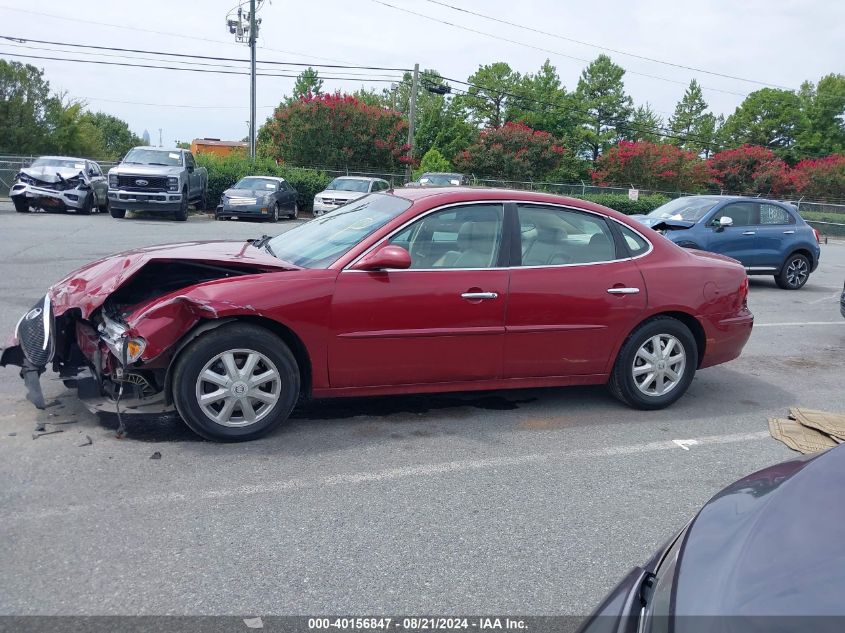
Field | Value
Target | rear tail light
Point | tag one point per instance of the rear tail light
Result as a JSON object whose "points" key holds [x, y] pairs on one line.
{"points": [[818, 235], [743, 292]]}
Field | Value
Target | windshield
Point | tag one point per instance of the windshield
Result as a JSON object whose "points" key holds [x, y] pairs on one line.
{"points": [[67, 163], [349, 184], [143, 156], [690, 209], [256, 183], [322, 241], [440, 179]]}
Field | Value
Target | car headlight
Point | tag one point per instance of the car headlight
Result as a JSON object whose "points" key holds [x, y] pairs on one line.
{"points": [[113, 334], [113, 181], [24, 179], [172, 183]]}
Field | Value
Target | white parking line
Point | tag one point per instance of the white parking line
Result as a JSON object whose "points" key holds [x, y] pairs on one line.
{"points": [[390, 474], [798, 323]]}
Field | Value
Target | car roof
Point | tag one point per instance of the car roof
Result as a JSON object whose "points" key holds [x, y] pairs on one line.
{"points": [[161, 149], [265, 177], [357, 178], [720, 198]]}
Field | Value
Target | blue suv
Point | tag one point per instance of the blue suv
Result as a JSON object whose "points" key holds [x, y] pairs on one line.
{"points": [[767, 236]]}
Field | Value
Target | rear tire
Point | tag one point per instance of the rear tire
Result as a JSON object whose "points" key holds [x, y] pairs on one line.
{"points": [[118, 214], [632, 380], [295, 213], [21, 205], [795, 272], [223, 355]]}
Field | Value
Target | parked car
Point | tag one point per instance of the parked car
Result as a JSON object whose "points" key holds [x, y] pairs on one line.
{"points": [[59, 183], [159, 180], [764, 554], [421, 290], [769, 237], [346, 189], [265, 197], [440, 179]]}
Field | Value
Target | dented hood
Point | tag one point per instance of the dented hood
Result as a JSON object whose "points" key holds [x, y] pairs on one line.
{"points": [[88, 287], [52, 174]]}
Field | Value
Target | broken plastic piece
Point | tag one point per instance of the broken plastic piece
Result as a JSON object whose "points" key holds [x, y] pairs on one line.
{"points": [[155, 455]]}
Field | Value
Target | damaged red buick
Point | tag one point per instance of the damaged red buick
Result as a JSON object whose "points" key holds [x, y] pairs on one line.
{"points": [[412, 291]]}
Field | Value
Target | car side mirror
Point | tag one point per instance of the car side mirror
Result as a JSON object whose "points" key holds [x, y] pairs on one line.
{"points": [[724, 221], [385, 257]]}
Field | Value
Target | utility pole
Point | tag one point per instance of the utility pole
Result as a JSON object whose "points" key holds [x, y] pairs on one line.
{"points": [[245, 29], [159, 138], [412, 113], [253, 36]]}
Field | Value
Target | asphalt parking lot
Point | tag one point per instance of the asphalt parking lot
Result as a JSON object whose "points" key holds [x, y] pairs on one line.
{"points": [[524, 502]]}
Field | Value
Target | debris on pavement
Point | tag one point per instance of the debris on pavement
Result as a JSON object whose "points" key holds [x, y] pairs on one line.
{"points": [[809, 430], [155, 455], [254, 623], [88, 441], [36, 435], [12, 434], [61, 423]]}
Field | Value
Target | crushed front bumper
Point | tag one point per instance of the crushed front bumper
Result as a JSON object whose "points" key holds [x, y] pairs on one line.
{"points": [[44, 198]]}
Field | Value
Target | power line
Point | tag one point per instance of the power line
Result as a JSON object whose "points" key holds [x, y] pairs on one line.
{"points": [[544, 50], [134, 29], [193, 70], [605, 48], [13, 38]]}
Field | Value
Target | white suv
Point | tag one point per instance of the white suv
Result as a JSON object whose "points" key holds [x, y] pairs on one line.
{"points": [[346, 189]]}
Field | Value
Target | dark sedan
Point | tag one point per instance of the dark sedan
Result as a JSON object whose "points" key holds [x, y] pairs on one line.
{"points": [[264, 197], [765, 554]]}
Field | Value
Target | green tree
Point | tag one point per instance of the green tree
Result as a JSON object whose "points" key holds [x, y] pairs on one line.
{"points": [[433, 161], [542, 103], [308, 82], [768, 117], [69, 130], [691, 124], [824, 106], [491, 89], [24, 94], [114, 133], [645, 125], [605, 108]]}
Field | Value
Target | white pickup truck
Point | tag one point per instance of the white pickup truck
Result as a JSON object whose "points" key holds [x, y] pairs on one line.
{"points": [[156, 179]]}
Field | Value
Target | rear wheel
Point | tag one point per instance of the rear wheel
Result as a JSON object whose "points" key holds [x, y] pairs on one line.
{"points": [[795, 272], [117, 213], [655, 365], [235, 383], [21, 205], [295, 213]]}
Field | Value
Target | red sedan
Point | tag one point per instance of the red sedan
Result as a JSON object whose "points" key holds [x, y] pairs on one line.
{"points": [[417, 290]]}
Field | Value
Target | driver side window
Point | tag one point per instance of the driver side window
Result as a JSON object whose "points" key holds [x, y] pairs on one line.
{"points": [[458, 237], [742, 214]]}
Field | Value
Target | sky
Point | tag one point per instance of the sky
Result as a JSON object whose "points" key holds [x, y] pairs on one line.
{"points": [[771, 42]]}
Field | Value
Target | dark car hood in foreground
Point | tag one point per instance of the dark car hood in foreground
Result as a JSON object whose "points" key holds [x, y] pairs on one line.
{"points": [[772, 543], [88, 287]]}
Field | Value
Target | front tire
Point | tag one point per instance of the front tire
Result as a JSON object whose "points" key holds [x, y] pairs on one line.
{"points": [[182, 214], [275, 215], [235, 383], [656, 364], [295, 213], [795, 272], [21, 205], [118, 214], [89, 204]]}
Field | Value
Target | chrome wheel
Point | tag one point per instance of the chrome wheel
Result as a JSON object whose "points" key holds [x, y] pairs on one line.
{"points": [[797, 272], [659, 365], [238, 387]]}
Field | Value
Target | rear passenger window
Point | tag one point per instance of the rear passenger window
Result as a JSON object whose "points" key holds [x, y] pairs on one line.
{"points": [[636, 244], [554, 237], [774, 214]]}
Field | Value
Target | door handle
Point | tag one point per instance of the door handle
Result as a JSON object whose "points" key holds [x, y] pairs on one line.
{"points": [[788, 232], [623, 291], [748, 232], [479, 296]]}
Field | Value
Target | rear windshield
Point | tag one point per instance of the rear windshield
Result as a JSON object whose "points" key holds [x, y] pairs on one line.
{"points": [[325, 239]]}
